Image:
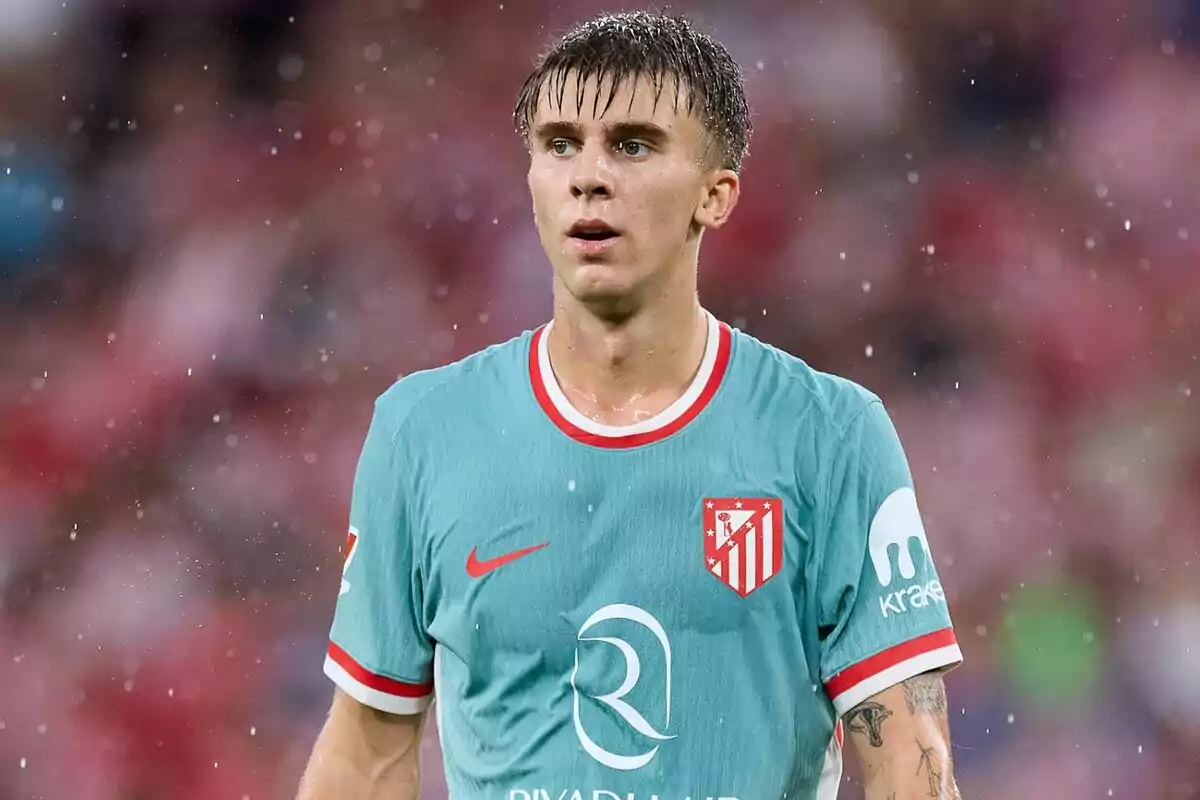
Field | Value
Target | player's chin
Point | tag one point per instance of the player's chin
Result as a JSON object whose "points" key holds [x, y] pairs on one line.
{"points": [[602, 278], [606, 289]]}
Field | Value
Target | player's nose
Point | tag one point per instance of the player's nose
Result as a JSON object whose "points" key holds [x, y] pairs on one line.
{"points": [[593, 178]]}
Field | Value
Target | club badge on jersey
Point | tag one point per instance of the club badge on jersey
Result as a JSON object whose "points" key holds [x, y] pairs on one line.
{"points": [[743, 540]]}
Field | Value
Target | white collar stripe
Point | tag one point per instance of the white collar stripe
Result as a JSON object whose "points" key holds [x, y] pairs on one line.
{"points": [[659, 421]]}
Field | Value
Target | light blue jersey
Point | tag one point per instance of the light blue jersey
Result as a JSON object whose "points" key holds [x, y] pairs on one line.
{"points": [[682, 608]]}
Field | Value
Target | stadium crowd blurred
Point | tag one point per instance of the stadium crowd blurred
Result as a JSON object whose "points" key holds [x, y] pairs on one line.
{"points": [[226, 226]]}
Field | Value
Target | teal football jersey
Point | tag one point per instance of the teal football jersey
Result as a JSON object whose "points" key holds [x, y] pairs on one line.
{"points": [[677, 609]]}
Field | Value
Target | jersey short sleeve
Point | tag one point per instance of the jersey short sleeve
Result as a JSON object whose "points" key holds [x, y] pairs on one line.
{"points": [[379, 653], [880, 608]]}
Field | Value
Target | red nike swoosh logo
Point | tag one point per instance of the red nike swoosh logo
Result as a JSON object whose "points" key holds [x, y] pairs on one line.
{"points": [[477, 568]]}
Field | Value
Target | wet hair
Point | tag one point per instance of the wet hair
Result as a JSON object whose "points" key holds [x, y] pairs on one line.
{"points": [[661, 48]]}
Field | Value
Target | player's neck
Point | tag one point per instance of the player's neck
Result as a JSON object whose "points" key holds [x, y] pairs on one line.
{"points": [[622, 373]]}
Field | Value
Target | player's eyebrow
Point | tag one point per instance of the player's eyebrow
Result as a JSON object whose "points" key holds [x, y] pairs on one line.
{"points": [[652, 133], [554, 130], [655, 134]]}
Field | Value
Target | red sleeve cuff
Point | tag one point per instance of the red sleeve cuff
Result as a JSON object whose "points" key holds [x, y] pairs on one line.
{"points": [[884, 670], [378, 691]]}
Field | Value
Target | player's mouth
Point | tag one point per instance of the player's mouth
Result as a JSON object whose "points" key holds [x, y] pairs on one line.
{"points": [[592, 236]]}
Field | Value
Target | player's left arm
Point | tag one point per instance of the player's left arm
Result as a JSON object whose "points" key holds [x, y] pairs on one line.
{"points": [[901, 737], [886, 637]]}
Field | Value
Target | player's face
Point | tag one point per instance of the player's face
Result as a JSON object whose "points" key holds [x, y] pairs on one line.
{"points": [[621, 194]]}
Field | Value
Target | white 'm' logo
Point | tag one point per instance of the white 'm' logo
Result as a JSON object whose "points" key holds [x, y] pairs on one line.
{"points": [[633, 670], [896, 523]]}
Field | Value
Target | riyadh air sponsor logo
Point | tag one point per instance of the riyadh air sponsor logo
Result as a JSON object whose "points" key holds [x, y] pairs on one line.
{"points": [[614, 700], [604, 794], [632, 717], [896, 525]]}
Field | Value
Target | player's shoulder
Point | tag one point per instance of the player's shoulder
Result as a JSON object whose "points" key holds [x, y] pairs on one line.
{"points": [[801, 390], [441, 390]]}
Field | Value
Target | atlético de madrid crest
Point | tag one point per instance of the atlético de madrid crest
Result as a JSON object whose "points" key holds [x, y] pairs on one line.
{"points": [[743, 540]]}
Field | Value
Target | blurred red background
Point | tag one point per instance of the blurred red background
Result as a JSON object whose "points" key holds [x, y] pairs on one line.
{"points": [[225, 227]]}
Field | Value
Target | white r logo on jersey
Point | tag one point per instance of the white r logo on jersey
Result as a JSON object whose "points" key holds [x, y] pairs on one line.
{"points": [[633, 670], [897, 522]]}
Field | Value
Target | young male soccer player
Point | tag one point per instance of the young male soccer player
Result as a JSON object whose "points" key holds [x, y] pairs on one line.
{"points": [[635, 554]]}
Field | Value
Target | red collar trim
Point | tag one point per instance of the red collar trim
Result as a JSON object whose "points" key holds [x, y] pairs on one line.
{"points": [[670, 421]]}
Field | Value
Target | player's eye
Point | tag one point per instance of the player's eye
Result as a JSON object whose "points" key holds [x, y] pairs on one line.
{"points": [[561, 147], [633, 148]]}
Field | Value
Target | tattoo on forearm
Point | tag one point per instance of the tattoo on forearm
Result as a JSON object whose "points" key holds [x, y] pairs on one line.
{"points": [[929, 765], [926, 694], [866, 718]]}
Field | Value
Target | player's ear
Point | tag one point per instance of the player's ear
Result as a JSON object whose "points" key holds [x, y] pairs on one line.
{"points": [[721, 191]]}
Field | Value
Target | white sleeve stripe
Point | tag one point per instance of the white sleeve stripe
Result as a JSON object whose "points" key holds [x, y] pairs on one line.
{"points": [[897, 673], [373, 697]]}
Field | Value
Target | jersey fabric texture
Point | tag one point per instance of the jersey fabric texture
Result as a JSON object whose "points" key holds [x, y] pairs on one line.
{"points": [[681, 608]]}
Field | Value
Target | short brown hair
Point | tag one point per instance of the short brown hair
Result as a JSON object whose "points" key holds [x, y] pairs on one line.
{"points": [[629, 46]]}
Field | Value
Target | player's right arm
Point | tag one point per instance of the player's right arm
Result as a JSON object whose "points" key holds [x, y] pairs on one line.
{"points": [[364, 753], [380, 656]]}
